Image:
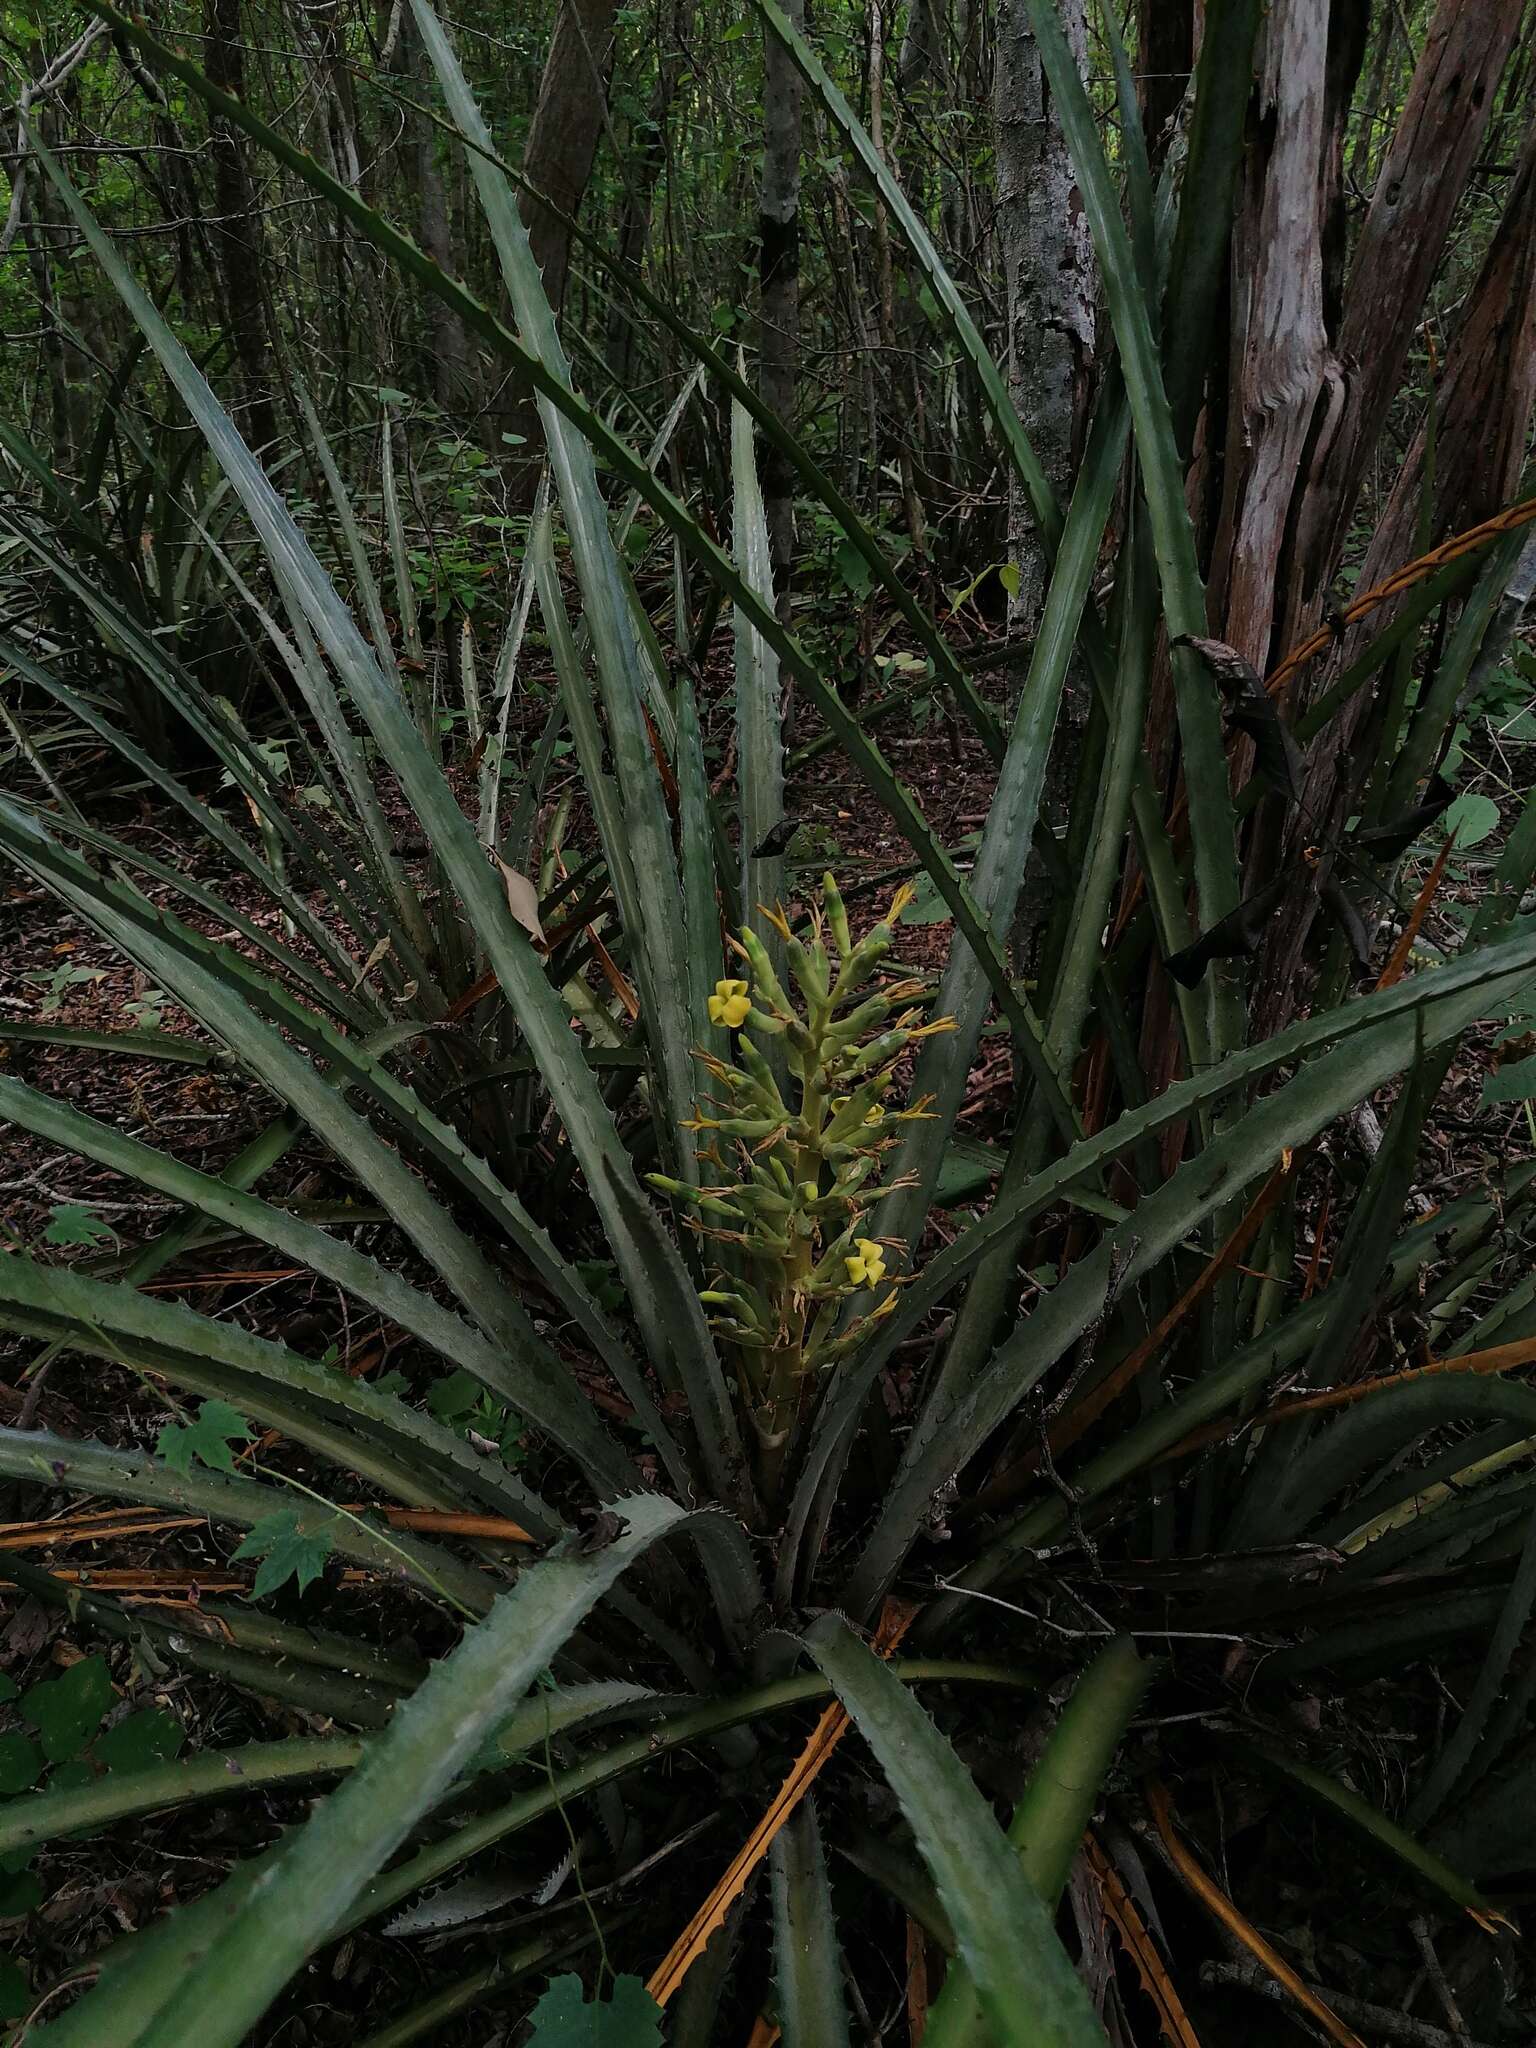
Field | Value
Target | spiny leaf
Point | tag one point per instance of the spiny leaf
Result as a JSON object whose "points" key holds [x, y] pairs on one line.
{"points": [[1252, 710], [287, 1550], [1396, 835], [565, 2018], [1232, 937], [208, 1439], [1350, 922]]}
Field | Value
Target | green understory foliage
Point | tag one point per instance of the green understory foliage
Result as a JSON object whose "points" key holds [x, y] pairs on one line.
{"points": [[656, 1235]]}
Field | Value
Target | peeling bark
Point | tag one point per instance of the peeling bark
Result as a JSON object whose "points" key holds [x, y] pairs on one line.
{"points": [[1484, 403], [1284, 375], [1401, 243]]}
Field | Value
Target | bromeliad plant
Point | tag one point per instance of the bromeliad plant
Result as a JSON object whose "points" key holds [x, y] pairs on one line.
{"points": [[1112, 1398], [796, 1154]]}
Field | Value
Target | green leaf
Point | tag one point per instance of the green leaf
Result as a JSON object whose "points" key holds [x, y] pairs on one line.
{"points": [[892, 794], [69, 1224], [66, 1711], [927, 905], [1030, 1993], [1515, 1082], [1381, 1834], [37, 1456], [565, 2018], [15, 1992], [73, 1776], [1048, 1823], [807, 1957], [151, 1736], [452, 1398], [21, 1763], [7, 1687], [321, 1868], [759, 690], [288, 1551], [20, 1895], [209, 1438], [1471, 817]]}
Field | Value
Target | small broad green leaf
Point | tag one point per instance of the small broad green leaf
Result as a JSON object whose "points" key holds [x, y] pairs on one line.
{"points": [[968, 1168], [1008, 576], [208, 1439], [151, 1736], [852, 568], [454, 1397], [15, 1992], [66, 1711], [1472, 817], [71, 1777], [21, 1763], [565, 2018], [69, 1224], [7, 1687], [287, 1550], [1515, 1082], [20, 1895]]}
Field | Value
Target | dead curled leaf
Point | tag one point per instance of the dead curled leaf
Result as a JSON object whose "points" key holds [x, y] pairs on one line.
{"points": [[522, 899]]}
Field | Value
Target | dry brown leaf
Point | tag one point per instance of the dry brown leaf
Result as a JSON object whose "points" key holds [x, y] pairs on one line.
{"points": [[1393, 972], [522, 899], [1120, 1909], [1220, 1907]]}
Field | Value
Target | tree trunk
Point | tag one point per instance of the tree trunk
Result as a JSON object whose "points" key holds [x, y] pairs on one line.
{"points": [[1283, 373], [1437, 142], [1284, 558], [1048, 267], [646, 166], [1165, 56], [449, 371], [563, 138], [778, 231], [237, 236], [1483, 407]]}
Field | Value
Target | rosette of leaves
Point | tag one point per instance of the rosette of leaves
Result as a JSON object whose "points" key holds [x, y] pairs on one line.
{"points": [[795, 1135]]}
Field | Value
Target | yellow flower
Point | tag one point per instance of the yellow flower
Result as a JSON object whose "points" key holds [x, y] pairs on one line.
{"points": [[729, 1004], [868, 1268]]}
